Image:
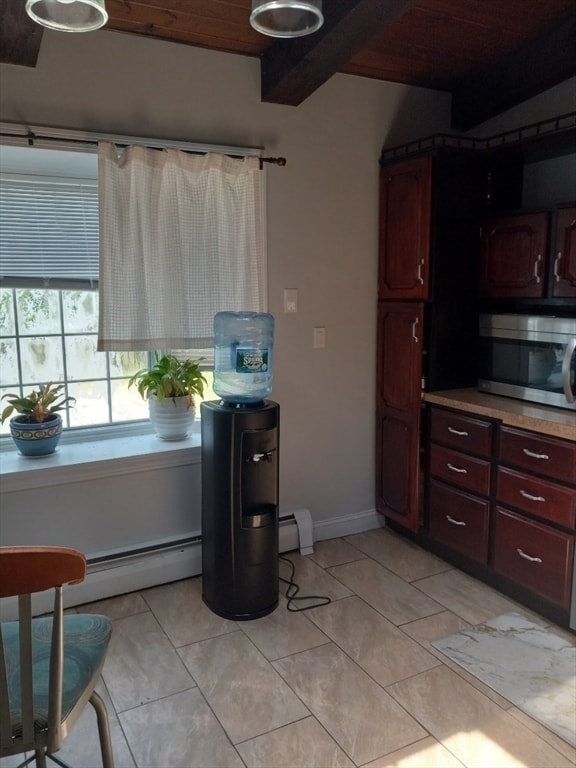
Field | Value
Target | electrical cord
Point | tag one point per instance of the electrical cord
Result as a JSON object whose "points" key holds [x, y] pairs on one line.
{"points": [[293, 589]]}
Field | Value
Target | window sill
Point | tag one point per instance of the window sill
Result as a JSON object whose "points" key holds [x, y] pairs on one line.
{"points": [[89, 459]]}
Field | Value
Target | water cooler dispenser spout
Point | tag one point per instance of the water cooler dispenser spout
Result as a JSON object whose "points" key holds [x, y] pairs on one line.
{"points": [[256, 457]]}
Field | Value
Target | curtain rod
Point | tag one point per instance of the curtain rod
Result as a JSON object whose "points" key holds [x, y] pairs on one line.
{"points": [[30, 137]]}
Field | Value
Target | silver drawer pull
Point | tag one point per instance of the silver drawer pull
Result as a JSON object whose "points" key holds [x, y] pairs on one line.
{"points": [[535, 455], [455, 522], [530, 497], [461, 470], [527, 557], [458, 432]]}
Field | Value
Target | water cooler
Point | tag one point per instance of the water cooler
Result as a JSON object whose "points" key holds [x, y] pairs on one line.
{"points": [[240, 472]]}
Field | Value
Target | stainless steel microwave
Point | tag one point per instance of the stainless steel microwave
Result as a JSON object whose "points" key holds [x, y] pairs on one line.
{"points": [[529, 357]]}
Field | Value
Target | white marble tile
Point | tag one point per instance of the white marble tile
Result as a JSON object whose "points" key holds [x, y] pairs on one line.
{"points": [[431, 628], [335, 552], [116, 607], [299, 745], [402, 557], [311, 579], [141, 664], [472, 727], [283, 632], [179, 731], [427, 753], [182, 613], [373, 642], [82, 746], [393, 597], [355, 710], [469, 598], [533, 668], [242, 688]]}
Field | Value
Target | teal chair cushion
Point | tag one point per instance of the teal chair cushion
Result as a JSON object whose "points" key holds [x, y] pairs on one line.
{"points": [[86, 638]]}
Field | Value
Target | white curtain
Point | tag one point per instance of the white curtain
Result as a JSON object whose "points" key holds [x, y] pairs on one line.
{"points": [[181, 238]]}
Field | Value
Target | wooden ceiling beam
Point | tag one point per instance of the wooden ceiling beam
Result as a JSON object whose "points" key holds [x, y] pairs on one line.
{"points": [[293, 69], [20, 37], [533, 68]]}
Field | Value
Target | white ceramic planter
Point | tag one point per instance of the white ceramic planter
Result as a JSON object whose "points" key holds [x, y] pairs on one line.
{"points": [[172, 418]]}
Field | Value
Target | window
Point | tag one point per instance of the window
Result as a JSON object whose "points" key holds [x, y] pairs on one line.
{"points": [[49, 289]]}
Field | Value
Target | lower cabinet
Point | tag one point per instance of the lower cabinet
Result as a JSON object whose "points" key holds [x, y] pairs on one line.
{"points": [[504, 501], [535, 556], [459, 520]]}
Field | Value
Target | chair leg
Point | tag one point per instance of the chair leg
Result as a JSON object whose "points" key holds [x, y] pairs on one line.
{"points": [[40, 756], [103, 730]]}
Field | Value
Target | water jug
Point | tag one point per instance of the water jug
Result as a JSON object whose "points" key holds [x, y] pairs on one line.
{"points": [[243, 356]]}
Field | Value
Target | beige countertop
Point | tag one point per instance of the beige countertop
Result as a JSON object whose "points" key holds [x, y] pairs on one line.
{"points": [[557, 422]]}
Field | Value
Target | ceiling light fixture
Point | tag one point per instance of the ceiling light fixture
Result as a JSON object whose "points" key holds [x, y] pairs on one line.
{"points": [[68, 15], [286, 18]]}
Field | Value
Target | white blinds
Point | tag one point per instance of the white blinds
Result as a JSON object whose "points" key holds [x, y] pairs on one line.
{"points": [[49, 232], [181, 238]]}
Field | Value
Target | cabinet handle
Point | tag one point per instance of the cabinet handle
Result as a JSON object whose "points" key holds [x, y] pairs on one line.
{"points": [[556, 265], [537, 267], [527, 557], [529, 496], [459, 432], [461, 470], [533, 455], [414, 334], [419, 273], [455, 522]]}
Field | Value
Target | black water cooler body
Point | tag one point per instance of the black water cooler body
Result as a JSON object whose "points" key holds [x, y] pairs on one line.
{"points": [[240, 508]]}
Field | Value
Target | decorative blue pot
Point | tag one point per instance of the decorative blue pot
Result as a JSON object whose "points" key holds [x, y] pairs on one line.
{"points": [[33, 439]]}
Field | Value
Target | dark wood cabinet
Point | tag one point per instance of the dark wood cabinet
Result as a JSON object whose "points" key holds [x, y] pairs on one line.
{"points": [[398, 407], [564, 270], [503, 500], [535, 556], [459, 468], [427, 316], [513, 259], [405, 207]]}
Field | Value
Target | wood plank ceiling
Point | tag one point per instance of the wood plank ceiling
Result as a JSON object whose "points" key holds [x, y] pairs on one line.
{"points": [[490, 54]]}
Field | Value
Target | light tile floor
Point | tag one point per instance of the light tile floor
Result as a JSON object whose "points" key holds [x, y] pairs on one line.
{"points": [[352, 683]]}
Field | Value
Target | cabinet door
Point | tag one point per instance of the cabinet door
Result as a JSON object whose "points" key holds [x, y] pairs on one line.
{"points": [[405, 200], [564, 278], [399, 373], [513, 257]]}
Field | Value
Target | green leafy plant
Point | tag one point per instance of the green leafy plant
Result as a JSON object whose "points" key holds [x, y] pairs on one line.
{"points": [[170, 377], [38, 405]]}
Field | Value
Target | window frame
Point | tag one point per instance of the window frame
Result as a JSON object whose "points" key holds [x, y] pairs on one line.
{"points": [[87, 142]]}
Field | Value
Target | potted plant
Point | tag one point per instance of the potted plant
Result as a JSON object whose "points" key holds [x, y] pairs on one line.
{"points": [[37, 429], [169, 387]]}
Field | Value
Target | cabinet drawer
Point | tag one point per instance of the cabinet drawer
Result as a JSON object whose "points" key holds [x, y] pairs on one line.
{"points": [[544, 455], [549, 501], [533, 555], [462, 432], [459, 520], [457, 468]]}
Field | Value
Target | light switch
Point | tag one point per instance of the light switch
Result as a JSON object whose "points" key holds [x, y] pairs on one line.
{"points": [[290, 300], [319, 338]]}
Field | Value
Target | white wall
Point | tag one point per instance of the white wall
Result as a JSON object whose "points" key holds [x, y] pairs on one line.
{"points": [[322, 231], [322, 217]]}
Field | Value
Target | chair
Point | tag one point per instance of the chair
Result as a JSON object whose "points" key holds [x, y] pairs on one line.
{"points": [[49, 666]]}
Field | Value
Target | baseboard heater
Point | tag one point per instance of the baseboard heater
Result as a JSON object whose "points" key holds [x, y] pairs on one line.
{"points": [[120, 571]]}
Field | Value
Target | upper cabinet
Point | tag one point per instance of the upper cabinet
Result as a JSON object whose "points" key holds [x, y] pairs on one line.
{"points": [[529, 256], [564, 270], [405, 202], [512, 262]]}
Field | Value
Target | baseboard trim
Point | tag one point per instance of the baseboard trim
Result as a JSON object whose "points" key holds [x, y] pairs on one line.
{"points": [[118, 572]]}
